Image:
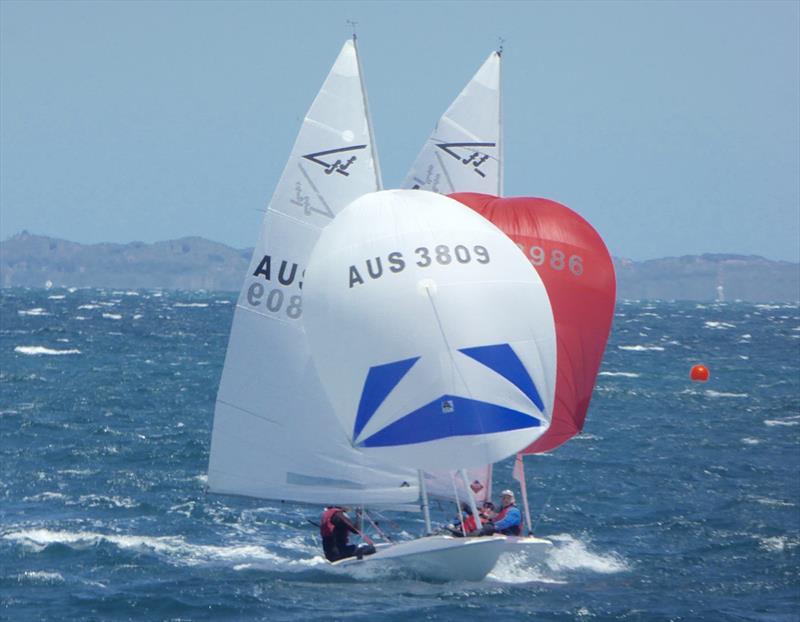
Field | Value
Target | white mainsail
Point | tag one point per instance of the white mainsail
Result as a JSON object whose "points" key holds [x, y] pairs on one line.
{"points": [[464, 152], [275, 435], [447, 327]]}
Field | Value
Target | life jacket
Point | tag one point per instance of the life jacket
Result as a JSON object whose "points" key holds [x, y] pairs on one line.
{"points": [[469, 523], [326, 526], [516, 529]]}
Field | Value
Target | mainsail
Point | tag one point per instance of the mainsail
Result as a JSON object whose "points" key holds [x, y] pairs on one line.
{"points": [[275, 435], [447, 329], [464, 154]]}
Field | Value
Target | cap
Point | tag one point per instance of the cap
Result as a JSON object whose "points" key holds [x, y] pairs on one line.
{"points": [[507, 493]]}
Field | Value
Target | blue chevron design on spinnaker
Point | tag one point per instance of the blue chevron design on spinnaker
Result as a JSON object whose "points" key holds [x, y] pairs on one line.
{"points": [[502, 359], [380, 381], [465, 417]]}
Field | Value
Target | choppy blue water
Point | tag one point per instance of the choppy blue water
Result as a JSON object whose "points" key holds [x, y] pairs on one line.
{"points": [[680, 501]]}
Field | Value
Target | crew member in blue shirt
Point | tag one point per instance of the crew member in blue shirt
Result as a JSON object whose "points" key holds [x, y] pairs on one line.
{"points": [[508, 520]]}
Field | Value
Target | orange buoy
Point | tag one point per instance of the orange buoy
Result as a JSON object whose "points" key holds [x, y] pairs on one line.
{"points": [[699, 373]]}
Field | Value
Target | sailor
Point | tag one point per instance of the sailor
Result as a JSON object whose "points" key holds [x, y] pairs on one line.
{"points": [[508, 521], [465, 525], [335, 529]]}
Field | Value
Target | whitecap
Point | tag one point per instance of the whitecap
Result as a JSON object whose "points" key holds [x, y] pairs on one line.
{"points": [[56, 297], [37, 350], [751, 441], [719, 325], [112, 316], [639, 348], [777, 544], [191, 305], [712, 393], [774, 422], [37, 311], [89, 307], [621, 374], [572, 554], [40, 577], [175, 549], [45, 496], [516, 568]]}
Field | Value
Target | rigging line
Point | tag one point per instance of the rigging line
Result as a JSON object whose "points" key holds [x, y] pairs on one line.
{"points": [[447, 343], [541, 514]]}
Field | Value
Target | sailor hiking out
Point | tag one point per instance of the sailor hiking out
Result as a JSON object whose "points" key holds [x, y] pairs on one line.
{"points": [[335, 528]]}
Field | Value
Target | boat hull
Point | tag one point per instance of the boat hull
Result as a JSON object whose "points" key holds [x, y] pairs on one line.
{"points": [[437, 558]]}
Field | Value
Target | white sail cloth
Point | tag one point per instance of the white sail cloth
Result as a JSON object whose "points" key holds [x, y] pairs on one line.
{"points": [[432, 334], [474, 116], [464, 152], [274, 433]]}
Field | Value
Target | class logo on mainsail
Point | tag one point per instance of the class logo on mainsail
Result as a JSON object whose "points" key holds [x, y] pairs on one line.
{"points": [[473, 154], [335, 160], [448, 415]]}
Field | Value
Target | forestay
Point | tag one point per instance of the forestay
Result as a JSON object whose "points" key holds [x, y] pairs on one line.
{"points": [[432, 333], [464, 154], [274, 433]]}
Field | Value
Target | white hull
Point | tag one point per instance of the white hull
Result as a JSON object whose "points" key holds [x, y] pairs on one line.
{"points": [[439, 558]]}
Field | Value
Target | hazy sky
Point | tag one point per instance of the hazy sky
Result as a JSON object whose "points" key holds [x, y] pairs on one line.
{"points": [[673, 127]]}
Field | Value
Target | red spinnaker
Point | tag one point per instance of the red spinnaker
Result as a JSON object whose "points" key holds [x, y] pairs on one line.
{"points": [[578, 274]]}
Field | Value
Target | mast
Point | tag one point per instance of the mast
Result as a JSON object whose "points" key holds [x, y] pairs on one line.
{"points": [[423, 502], [372, 146], [519, 475], [500, 140]]}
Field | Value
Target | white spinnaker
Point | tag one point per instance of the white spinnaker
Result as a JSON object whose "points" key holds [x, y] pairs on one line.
{"points": [[275, 435], [463, 154], [446, 328]]}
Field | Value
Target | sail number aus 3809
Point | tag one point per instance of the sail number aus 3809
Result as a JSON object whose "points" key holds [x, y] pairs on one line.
{"points": [[275, 300], [556, 260]]}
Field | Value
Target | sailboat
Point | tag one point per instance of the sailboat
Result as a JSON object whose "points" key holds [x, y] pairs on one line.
{"points": [[278, 429], [445, 367], [569, 254]]}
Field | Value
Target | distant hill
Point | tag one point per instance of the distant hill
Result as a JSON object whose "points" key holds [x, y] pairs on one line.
{"points": [[28, 260]]}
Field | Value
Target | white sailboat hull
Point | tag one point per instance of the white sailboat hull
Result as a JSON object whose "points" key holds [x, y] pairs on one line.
{"points": [[438, 558]]}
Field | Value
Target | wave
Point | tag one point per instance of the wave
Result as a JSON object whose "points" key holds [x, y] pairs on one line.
{"points": [[40, 577], [621, 374], [786, 422], [36, 311], [570, 553], [719, 325], [639, 348], [191, 305], [112, 316], [38, 350], [173, 549], [712, 393]]}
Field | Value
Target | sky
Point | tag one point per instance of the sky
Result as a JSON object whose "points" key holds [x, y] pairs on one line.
{"points": [[673, 127]]}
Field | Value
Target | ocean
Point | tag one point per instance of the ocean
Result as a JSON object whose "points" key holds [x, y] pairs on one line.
{"points": [[680, 500]]}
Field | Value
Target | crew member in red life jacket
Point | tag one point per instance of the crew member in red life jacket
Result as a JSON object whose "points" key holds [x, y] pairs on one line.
{"points": [[508, 520], [335, 529], [467, 525]]}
